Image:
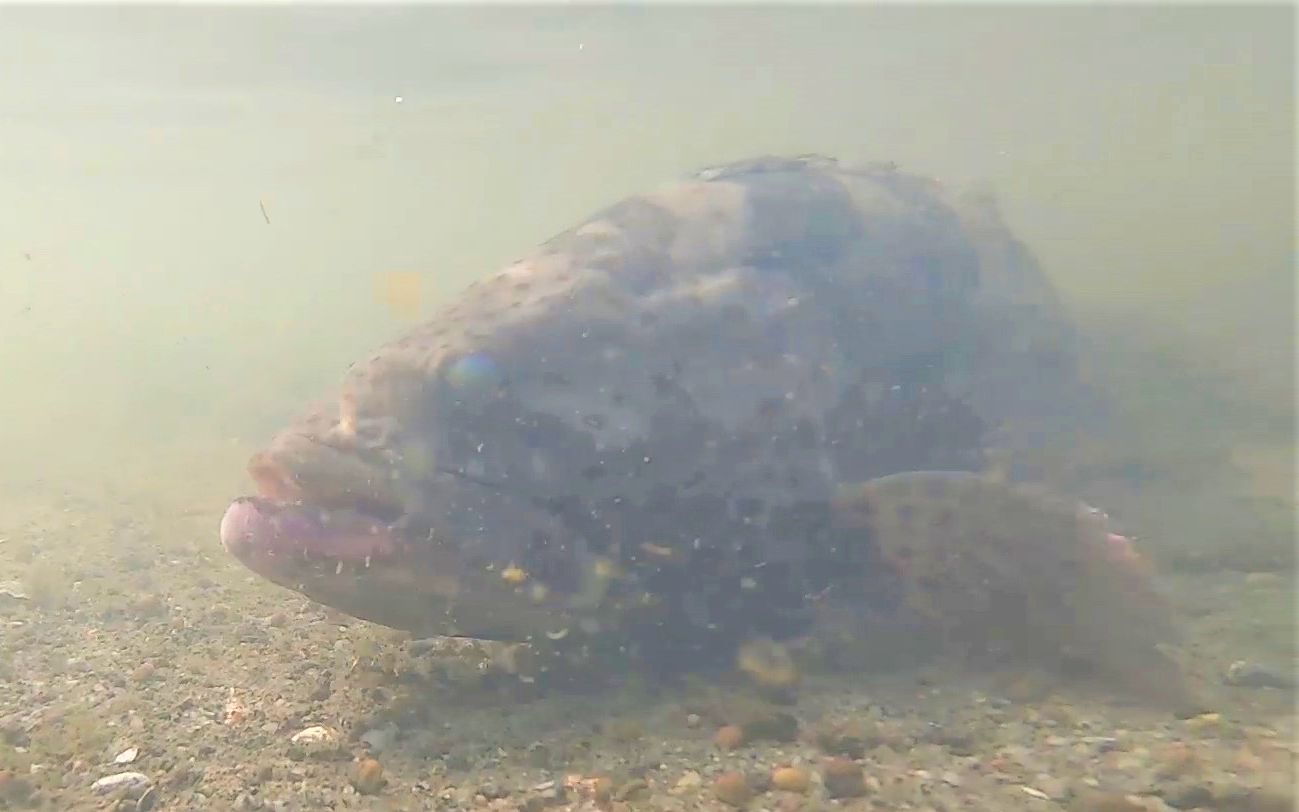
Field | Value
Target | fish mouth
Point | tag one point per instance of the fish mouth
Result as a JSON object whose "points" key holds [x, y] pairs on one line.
{"points": [[314, 502], [330, 524], [342, 558], [265, 534]]}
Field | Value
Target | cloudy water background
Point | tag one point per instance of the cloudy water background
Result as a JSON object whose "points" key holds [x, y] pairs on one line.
{"points": [[202, 206]]}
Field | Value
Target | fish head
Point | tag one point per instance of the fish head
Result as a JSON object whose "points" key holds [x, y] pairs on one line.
{"points": [[361, 519]]}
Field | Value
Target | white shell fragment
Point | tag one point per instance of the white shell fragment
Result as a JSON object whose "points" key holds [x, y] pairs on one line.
{"points": [[316, 734], [132, 782]]}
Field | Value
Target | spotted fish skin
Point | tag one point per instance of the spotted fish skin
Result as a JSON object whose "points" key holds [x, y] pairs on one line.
{"points": [[656, 407]]}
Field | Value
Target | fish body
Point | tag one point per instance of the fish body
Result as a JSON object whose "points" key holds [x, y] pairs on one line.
{"points": [[646, 426]]}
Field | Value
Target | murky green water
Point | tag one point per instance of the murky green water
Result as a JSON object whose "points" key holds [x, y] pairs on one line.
{"points": [[200, 206], [206, 214]]}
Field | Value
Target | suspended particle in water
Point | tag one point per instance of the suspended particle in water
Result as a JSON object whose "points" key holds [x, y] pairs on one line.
{"points": [[401, 292]]}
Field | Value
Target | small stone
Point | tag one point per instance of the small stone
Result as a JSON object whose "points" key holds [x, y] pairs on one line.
{"points": [[729, 737], [790, 803], [144, 672], [1246, 674], [632, 790], [602, 789], [317, 742], [1109, 802], [132, 783], [770, 725], [690, 780], [1187, 796], [368, 776], [1055, 788], [147, 801], [313, 735], [146, 606], [13, 788], [539, 755], [844, 739], [625, 731], [791, 779], [1204, 722], [732, 788], [1256, 800], [1177, 760], [843, 778], [1262, 579]]}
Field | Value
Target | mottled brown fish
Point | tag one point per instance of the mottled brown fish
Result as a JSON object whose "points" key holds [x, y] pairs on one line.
{"points": [[672, 424]]}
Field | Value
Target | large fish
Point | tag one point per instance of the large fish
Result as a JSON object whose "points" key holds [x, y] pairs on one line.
{"points": [[700, 415]]}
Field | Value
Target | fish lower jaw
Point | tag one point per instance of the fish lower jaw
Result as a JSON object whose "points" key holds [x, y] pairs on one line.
{"points": [[262, 533]]}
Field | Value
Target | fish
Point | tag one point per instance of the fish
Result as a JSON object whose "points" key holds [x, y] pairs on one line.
{"points": [[684, 422]]}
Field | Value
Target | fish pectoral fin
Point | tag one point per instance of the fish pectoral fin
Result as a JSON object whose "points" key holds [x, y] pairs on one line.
{"points": [[981, 555]]}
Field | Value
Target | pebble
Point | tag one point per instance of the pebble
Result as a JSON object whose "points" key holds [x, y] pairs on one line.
{"points": [[368, 777], [1176, 760], [843, 778], [1269, 579], [133, 783], [314, 735], [13, 788], [539, 755], [1187, 796], [1257, 800], [147, 800], [317, 741], [732, 788], [1110, 802], [729, 737], [690, 780], [1246, 674], [791, 779], [1055, 788]]}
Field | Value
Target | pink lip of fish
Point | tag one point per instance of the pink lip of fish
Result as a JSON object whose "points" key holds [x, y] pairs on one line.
{"points": [[1121, 551], [1118, 548], [255, 530], [1121, 547]]}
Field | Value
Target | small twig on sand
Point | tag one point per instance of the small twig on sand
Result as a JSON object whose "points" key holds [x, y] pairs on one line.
{"points": [[265, 216]]}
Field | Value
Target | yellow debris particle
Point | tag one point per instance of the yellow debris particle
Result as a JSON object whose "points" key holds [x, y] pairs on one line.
{"points": [[605, 568], [657, 550], [768, 664], [1204, 722], [400, 291], [514, 575]]}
